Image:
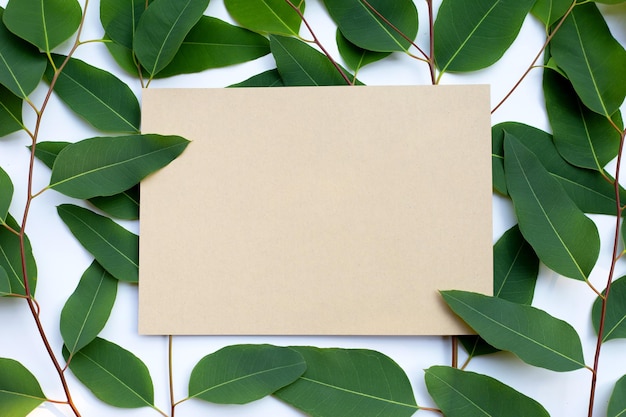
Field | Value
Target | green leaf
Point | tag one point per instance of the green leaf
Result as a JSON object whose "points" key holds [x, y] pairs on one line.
{"points": [[11, 261], [354, 56], [240, 374], [44, 23], [105, 166], [267, 16], [21, 64], [121, 206], [5, 283], [617, 403], [350, 383], [562, 236], [20, 393], [362, 25], [467, 394], [10, 112], [47, 152], [162, 29], [114, 247], [269, 78], [515, 268], [6, 194], [301, 65], [113, 374], [592, 59], [584, 138], [98, 96], [476, 346], [213, 43], [550, 11], [615, 320], [87, 310], [532, 334], [119, 19], [125, 58], [473, 34]]}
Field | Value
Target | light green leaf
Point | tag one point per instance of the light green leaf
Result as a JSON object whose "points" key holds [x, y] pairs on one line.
{"points": [[21, 64], [532, 334], [114, 247], [269, 78], [356, 57], [467, 394], [240, 374], [113, 374], [162, 29], [515, 268], [615, 320], [20, 393], [10, 112], [5, 283], [617, 403], [119, 19], [6, 194], [361, 24], [550, 11], [592, 59], [104, 166], [213, 43], [267, 16], [11, 261], [124, 205], [87, 310], [562, 236], [98, 96], [350, 383], [473, 34]]}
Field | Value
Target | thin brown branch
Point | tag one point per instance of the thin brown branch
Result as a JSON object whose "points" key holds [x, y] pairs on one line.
{"points": [[455, 352], [170, 366], [431, 36]]}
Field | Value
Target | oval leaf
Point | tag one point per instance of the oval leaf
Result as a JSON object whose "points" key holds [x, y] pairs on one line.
{"points": [[6, 195], [119, 19], [515, 268], [20, 393], [476, 346], [592, 59], [562, 236], [267, 16], [11, 261], [113, 374], [354, 56], [162, 29], [467, 394], [361, 23], [114, 247], [350, 383], [617, 403], [10, 112], [615, 320], [87, 310], [269, 78], [105, 166], [533, 335], [470, 35], [243, 373], [550, 11], [121, 206]]}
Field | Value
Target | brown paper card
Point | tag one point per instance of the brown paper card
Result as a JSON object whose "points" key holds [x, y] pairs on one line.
{"points": [[316, 210]]}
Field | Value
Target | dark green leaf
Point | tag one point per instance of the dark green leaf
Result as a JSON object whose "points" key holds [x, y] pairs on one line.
{"points": [[532, 334], [212, 43], [467, 394], [162, 29], [350, 383], [615, 320], [47, 152], [354, 56], [562, 236], [20, 393], [617, 403], [21, 64], [267, 16], [44, 23], [125, 58], [113, 374], [592, 59], [11, 262], [121, 206], [119, 19], [240, 374], [270, 78], [550, 11], [6, 195], [361, 24], [515, 268], [114, 247], [470, 35], [99, 97], [10, 112], [87, 310], [5, 283], [105, 166], [476, 346]]}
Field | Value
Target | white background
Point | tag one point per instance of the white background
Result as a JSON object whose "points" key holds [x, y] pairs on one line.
{"points": [[62, 261]]}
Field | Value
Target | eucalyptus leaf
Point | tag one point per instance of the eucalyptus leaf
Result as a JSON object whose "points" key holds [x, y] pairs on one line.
{"points": [[533, 335], [592, 59], [360, 22], [615, 320], [119, 19], [114, 247], [44, 23], [97, 96], [515, 268], [550, 11], [350, 383], [10, 112], [476, 346], [267, 16], [87, 310], [473, 34], [125, 58], [5, 283], [617, 403], [269, 78], [47, 152], [356, 57], [124, 205], [20, 392], [6, 194], [562, 236], [240, 374], [115, 375], [104, 166], [467, 394], [11, 261], [162, 29]]}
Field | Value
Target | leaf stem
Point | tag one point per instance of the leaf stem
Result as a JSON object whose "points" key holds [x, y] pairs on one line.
{"points": [[435, 410], [455, 352], [170, 355]]}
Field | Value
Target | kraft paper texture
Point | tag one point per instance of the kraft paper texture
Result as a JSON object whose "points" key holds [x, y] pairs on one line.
{"points": [[316, 210]]}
